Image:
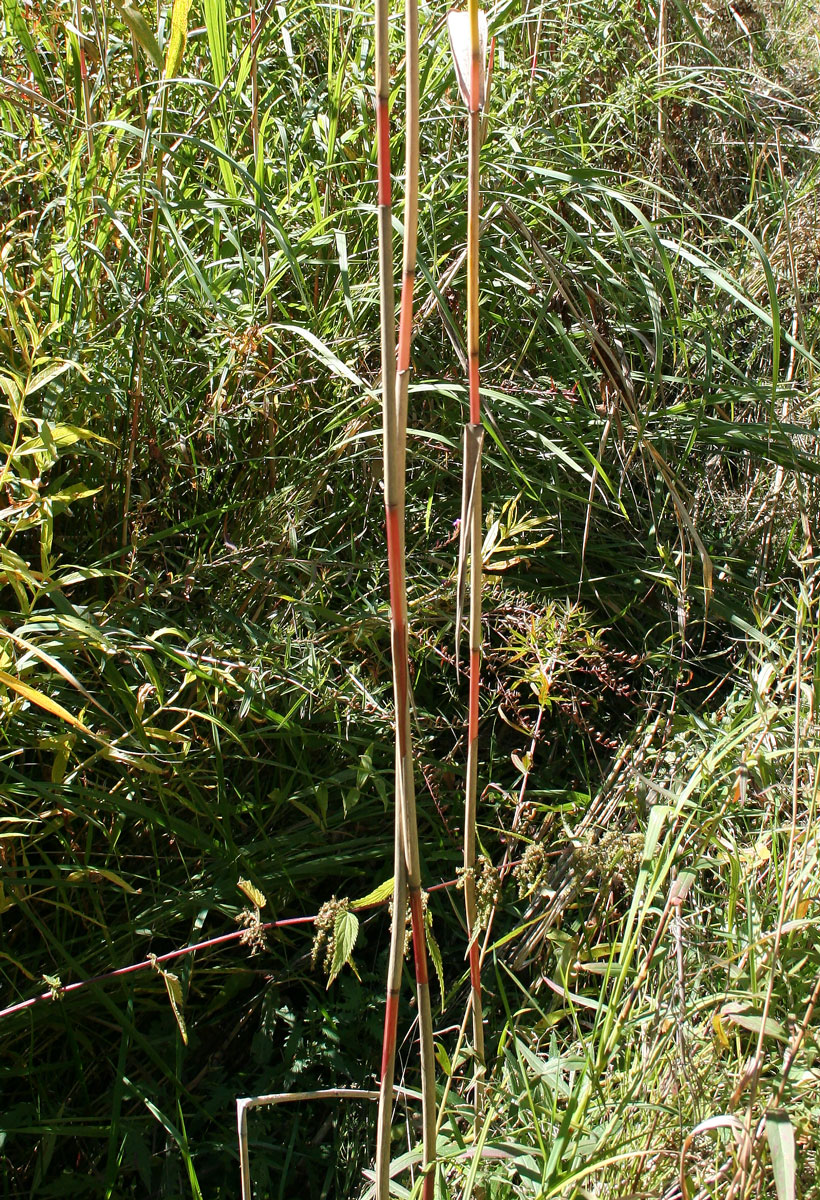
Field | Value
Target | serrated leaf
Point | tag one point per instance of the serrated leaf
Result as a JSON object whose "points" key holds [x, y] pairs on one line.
{"points": [[345, 932], [378, 896], [780, 1136], [435, 955], [252, 892]]}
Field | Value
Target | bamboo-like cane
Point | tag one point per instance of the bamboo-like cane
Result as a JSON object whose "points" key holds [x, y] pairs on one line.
{"points": [[78, 17], [411, 839], [395, 380], [263, 229], [472, 87]]}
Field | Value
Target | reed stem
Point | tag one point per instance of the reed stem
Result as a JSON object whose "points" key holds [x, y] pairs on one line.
{"points": [[395, 382], [472, 466]]}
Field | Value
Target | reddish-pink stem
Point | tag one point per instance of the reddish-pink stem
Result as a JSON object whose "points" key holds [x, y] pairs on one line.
{"points": [[223, 939]]}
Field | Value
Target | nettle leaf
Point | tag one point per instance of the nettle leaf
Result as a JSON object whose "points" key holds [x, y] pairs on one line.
{"points": [[378, 896], [435, 954], [345, 932]]}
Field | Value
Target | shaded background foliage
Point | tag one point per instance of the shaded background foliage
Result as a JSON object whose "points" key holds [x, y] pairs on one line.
{"points": [[195, 647]]}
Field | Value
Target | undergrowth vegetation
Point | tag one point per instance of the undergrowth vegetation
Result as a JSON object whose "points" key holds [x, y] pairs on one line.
{"points": [[195, 680]]}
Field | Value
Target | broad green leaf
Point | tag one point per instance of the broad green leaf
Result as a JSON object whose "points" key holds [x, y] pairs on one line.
{"points": [[345, 932], [14, 393], [754, 1023], [216, 25], [378, 896], [443, 1059], [48, 374]]}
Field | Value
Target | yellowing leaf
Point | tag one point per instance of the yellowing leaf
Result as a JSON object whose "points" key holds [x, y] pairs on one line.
{"points": [[252, 892], [42, 701], [458, 27], [178, 37], [521, 764], [174, 989], [92, 874], [720, 1032]]}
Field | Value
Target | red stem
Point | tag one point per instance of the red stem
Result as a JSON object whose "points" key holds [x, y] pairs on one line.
{"points": [[223, 939]]}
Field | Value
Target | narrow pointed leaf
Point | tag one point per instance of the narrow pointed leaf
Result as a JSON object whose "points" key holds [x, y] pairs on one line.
{"points": [[42, 701], [473, 442], [141, 30], [780, 1136]]}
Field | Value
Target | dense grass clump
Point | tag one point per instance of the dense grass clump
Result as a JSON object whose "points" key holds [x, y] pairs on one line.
{"points": [[195, 679]]}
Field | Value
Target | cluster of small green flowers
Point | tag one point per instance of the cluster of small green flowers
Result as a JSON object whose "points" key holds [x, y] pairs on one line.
{"points": [[531, 869], [487, 890], [323, 926], [408, 920], [55, 986], [487, 887], [253, 934], [614, 860]]}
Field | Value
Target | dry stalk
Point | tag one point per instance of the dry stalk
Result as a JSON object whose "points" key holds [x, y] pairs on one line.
{"points": [[472, 87], [395, 382]]}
